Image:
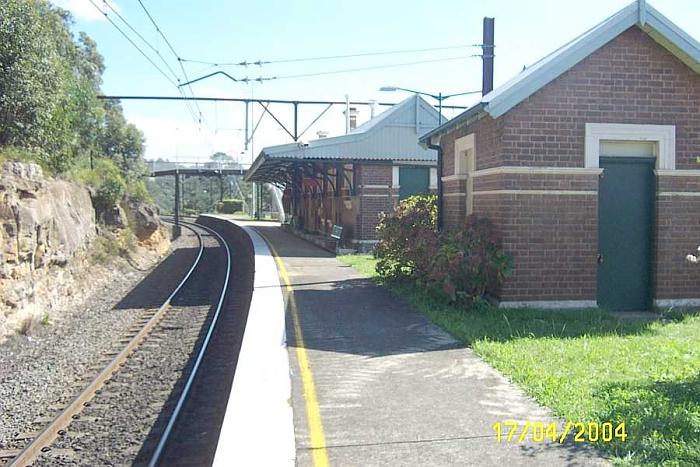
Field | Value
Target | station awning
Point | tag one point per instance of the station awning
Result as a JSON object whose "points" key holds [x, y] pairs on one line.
{"points": [[390, 137]]}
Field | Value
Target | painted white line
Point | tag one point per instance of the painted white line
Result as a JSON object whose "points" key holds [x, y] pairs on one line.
{"points": [[535, 192], [258, 427]]}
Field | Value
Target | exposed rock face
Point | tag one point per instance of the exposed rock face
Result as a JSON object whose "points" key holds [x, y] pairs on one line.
{"points": [[143, 218], [44, 223], [47, 237], [114, 217]]}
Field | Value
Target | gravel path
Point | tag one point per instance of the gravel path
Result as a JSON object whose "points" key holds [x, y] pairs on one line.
{"points": [[39, 374]]}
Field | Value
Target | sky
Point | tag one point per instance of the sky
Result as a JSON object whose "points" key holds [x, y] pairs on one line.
{"points": [[224, 31]]}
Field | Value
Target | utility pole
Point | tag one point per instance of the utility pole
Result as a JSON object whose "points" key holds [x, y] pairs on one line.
{"points": [[487, 56], [176, 227]]}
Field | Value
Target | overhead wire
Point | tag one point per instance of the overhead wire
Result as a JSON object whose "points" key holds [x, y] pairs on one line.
{"points": [[377, 67], [331, 72], [327, 57], [172, 49], [126, 36], [143, 39], [245, 63], [197, 120]]}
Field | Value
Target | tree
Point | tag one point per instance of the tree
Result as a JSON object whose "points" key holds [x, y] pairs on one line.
{"points": [[49, 82], [221, 157], [32, 74], [120, 140]]}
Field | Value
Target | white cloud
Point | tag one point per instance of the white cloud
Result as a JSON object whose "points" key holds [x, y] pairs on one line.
{"points": [[84, 10]]}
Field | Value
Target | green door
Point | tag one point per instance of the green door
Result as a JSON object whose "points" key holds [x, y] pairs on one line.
{"points": [[625, 223], [413, 180]]}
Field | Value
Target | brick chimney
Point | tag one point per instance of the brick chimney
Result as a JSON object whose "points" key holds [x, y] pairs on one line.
{"points": [[353, 117]]}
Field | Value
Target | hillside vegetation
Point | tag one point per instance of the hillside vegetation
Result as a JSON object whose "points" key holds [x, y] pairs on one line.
{"points": [[49, 110], [72, 196]]}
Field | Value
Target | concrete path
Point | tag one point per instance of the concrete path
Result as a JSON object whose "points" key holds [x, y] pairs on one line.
{"points": [[387, 386]]}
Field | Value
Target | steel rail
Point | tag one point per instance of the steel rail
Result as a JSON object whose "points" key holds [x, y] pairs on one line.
{"points": [[200, 356], [62, 420]]}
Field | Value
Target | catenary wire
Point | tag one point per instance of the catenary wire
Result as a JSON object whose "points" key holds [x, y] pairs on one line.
{"points": [[177, 78], [328, 57], [172, 49], [377, 67], [126, 36], [331, 72], [143, 39]]}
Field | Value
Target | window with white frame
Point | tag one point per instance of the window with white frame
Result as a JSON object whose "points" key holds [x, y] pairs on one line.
{"points": [[465, 164]]}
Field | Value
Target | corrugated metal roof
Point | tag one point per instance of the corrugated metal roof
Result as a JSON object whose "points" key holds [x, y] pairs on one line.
{"points": [[536, 76], [391, 136]]}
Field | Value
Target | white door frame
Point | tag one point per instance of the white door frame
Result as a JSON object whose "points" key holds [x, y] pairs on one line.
{"points": [[664, 135]]}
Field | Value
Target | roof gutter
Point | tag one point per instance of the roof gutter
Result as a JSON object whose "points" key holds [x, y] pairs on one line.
{"points": [[440, 209], [467, 115], [254, 167], [427, 142]]}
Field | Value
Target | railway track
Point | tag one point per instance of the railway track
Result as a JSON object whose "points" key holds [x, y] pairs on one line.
{"points": [[127, 412]]}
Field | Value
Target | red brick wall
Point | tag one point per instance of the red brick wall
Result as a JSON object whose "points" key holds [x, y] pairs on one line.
{"points": [[553, 238], [523, 181], [373, 200], [373, 194], [632, 79], [677, 234], [486, 143], [374, 174], [453, 202]]}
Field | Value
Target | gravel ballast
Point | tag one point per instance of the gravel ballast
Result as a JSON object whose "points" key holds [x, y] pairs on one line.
{"points": [[40, 373], [123, 423]]}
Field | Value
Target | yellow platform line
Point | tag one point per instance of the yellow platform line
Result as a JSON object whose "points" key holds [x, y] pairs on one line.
{"points": [[313, 412]]}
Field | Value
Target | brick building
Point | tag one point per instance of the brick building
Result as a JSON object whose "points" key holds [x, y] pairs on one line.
{"points": [[348, 180], [587, 164]]}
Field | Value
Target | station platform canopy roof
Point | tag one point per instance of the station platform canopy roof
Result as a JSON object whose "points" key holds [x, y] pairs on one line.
{"points": [[391, 136]]}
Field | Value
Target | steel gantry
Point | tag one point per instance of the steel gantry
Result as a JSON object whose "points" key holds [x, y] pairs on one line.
{"points": [[293, 132]]}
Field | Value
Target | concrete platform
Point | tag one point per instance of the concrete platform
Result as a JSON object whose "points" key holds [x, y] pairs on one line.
{"points": [[257, 429], [384, 386]]}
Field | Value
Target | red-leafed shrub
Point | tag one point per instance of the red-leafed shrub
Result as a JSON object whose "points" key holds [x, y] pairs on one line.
{"points": [[469, 262], [408, 238], [464, 264]]}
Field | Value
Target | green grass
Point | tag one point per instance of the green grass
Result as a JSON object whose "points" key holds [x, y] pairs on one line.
{"points": [[588, 365], [363, 263], [241, 215]]}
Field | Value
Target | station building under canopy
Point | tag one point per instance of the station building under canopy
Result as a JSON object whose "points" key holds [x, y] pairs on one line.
{"points": [[346, 181]]}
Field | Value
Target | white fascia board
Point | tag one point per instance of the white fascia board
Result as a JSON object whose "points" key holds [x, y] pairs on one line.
{"points": [[659, 28], [525, 84], [673, 38], [254, 167]]}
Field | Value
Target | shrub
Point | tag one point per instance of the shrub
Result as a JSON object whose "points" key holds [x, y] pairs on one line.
{"points": [[408, 238], [105, 179], [469, 262], [108, 245], [109, 192], [12, 153], [230, 206], [464, 264], [136, 188]]}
